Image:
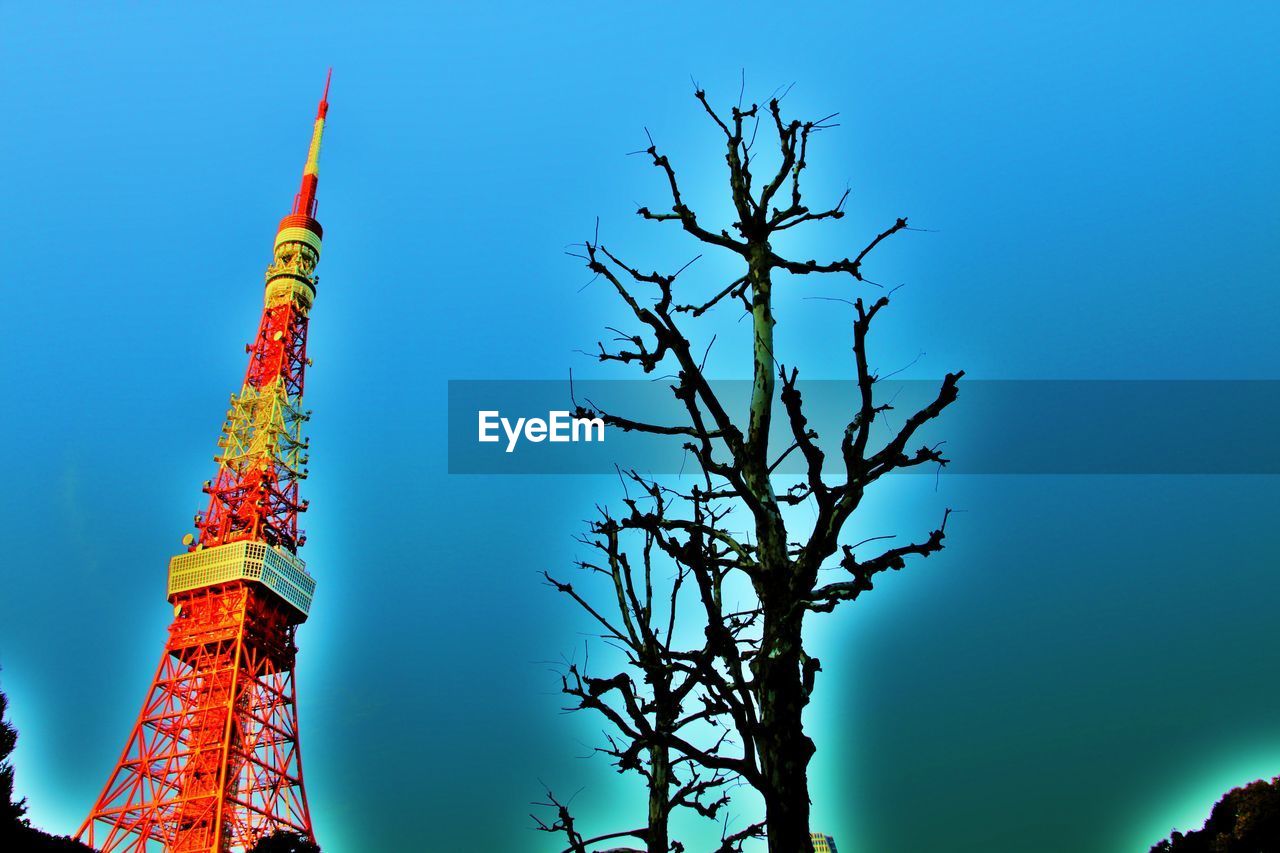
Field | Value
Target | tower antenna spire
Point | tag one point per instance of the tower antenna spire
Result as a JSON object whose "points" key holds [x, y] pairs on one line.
{"points": [[304, 203]]}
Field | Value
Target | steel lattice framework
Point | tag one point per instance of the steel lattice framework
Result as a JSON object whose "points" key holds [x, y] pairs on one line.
{"points": [[213, 762]]}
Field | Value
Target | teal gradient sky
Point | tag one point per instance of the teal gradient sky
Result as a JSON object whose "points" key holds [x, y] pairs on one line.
{"points": [[1089, 664]]}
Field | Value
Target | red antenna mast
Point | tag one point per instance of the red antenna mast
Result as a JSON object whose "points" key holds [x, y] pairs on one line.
{"points": [[305, 201]]}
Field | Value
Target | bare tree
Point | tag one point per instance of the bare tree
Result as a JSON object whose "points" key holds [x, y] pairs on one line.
{"points": [[664, 724], [757, 683]]}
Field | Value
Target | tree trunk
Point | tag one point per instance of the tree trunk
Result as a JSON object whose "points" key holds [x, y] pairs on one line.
{"points": [[784, 748], [657, 840]]}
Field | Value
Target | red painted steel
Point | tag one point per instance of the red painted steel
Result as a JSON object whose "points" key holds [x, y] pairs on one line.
{"points": [[213, 761]]}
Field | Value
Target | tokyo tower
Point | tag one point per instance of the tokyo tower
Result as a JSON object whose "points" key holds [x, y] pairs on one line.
{"points": [[213, 762]]}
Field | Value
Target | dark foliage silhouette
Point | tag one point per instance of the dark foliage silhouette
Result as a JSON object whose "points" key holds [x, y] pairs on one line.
{"points": [[1245, 820], [285, 842], [11, 810], [16, 832]]}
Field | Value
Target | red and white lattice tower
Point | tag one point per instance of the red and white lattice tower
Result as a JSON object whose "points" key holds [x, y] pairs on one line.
{"points": [[213, 762]]}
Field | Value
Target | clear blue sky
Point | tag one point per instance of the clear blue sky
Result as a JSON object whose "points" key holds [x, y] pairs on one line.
{"points": [[1089, 664]]}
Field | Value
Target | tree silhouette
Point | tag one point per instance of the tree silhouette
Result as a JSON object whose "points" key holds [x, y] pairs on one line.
{"points": [[16, 832], [759, 678], [11, 810], [284, 841], [658, 706], [1245, 820]]}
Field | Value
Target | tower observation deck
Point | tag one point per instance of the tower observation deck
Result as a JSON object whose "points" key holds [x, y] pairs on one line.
{"points": [[212, 763]]}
